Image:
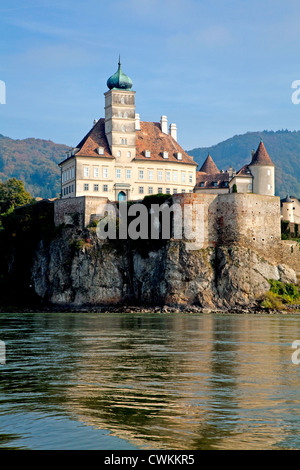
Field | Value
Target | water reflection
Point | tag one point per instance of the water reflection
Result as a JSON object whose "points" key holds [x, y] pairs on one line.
{"points": [[158, 381]]}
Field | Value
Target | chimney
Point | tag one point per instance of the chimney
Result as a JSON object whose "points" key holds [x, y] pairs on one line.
{"points": [[137, 122], [173, 131], [164, 124]]}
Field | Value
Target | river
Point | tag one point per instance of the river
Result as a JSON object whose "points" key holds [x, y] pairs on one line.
{"points": [[149, 381]]}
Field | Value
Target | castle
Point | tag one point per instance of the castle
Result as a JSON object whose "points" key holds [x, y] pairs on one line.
{"points": [[124, 158]]}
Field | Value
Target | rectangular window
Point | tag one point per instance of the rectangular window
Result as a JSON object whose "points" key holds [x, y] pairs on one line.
{"points": [[175, 177], [160, 175], [147, 153], [159, 190], [141, 189], [183, 177], [141, 174], [168, 176], [168, 191], [150, 174], [105, 172], [128, 174], [96, 187], [269, 186], [190, 177], [96, 172], [72, 188], [73, 172], [174, 190], [118, 173], [86, 171], [150, 190], [105, 188], [64, 191], [183, 191], [165, 154], [67, 190], [269, 172], [86, 187]]}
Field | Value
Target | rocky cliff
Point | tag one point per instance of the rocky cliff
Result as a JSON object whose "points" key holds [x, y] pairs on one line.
{"points": [[77, 269]]}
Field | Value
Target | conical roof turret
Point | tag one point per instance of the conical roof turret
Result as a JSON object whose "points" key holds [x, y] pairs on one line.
{"points": [[261, 156], [209, 166]]}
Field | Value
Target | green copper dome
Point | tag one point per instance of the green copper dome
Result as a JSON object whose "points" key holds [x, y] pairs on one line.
{"points": [[119, 80]]}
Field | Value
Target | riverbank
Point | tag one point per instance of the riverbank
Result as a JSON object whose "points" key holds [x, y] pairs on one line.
{"points": [[188, 309]]}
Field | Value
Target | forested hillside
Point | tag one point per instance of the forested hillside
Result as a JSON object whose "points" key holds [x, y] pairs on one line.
{"points": [[34, 161]]}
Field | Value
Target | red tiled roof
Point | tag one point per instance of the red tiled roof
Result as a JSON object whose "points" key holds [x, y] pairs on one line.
{"points": [[209, 166], [150, 137], [209, 180], [244, 171], [95, 138], [261, 156]]}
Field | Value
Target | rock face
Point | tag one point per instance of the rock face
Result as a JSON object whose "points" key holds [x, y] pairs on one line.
{"points": [[78, 269]]}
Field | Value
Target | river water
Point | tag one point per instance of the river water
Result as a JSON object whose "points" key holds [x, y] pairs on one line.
{"points": [[149, 381]]}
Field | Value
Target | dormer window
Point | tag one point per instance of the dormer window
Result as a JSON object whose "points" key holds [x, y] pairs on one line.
{"points": [[202, 184], [147, 153], [165, 154], [179, 156], [100, 150], [215, 184]]}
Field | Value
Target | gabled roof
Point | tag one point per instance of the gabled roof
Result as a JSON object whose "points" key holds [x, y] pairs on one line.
{"points": [[244, 171], [151, 138], [209, 166], [261, 156]]}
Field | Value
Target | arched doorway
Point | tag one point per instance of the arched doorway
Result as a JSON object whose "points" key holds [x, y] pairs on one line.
{"points": [[122, 196]]}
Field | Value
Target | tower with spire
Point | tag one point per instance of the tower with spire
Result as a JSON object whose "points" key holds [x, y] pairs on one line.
{"points": [[120, 116]]}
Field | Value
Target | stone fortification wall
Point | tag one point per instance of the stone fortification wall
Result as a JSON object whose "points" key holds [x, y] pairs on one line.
{"points": [[77, 209], [248, 219]]}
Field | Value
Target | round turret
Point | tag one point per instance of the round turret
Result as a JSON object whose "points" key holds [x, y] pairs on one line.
{"points": [[288, 209]]}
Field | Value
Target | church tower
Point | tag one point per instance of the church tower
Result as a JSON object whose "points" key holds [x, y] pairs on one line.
{"points": [[120, 116]]}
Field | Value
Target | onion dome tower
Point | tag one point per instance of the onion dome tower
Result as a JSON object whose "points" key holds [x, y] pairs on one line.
{"points": [[119, 81], [120, 116]]}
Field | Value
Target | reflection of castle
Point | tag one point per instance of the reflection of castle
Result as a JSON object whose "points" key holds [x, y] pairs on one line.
{"points": [[186, 382]]}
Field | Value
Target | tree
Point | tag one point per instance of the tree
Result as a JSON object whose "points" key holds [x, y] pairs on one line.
{"points": [[234, 188], [12, 195]]}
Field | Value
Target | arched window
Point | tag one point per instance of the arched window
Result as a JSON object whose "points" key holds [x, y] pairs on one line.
{"points": [[128, 154], [122, 100], [120, 115], [125, 115], [123, 129], [119, 153]]}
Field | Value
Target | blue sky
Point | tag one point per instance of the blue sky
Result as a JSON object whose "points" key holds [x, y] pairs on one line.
{"points": [[215, 68]]}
